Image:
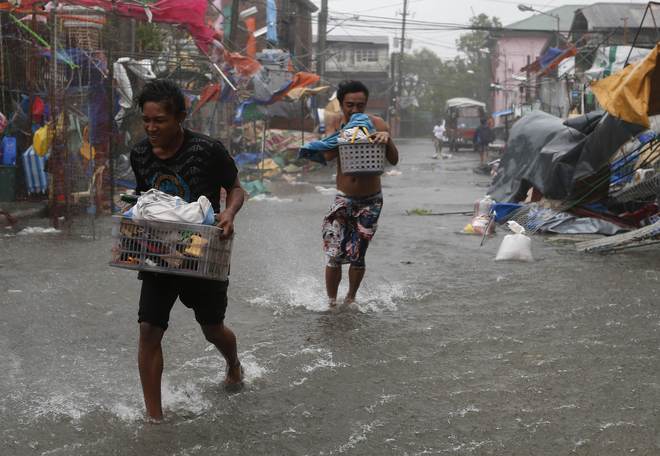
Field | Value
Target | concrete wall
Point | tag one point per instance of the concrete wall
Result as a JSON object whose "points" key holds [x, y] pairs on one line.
{"points": [[349, 58], [509, 56]]}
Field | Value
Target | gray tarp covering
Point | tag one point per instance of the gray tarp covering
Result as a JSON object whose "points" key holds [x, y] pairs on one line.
{"points": [[552, 156], [266, 83], [545, 220]]}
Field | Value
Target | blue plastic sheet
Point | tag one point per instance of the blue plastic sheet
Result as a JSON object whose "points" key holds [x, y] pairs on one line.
{"points": [[314, 150]]}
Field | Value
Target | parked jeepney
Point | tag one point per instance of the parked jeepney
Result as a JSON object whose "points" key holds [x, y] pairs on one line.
{"points": [[463, 117]]}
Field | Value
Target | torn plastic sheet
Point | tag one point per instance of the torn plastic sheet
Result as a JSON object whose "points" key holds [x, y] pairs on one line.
{"points": [[554, 156], [537, 219], [565, 223]]}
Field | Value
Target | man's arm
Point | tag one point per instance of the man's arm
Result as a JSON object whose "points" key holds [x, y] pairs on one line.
{"points": [[332, 124], [330, 154], [234, 202], [382, 135]]}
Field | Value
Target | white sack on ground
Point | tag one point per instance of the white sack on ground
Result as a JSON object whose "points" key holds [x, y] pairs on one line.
{"points": [[517, 246]]}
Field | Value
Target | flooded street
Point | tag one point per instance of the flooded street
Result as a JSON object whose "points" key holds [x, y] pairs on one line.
{"points": [[445, 352]]}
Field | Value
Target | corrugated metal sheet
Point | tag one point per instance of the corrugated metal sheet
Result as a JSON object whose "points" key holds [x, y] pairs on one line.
{"points": [[547, 23], [609, 15]]}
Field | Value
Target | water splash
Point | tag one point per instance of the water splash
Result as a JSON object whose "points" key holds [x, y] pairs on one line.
{"points": [[252, 369], [186, 398], [37, 230], [324, 360], [76, 405], [309, 293], [270, 198], [360, 435]]}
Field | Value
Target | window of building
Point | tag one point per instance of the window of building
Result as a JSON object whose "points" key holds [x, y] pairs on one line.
{"points": [[366, 55], [340, 55]]}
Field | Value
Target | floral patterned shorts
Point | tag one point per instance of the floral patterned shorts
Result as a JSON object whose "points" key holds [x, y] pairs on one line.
{"points": [[349, 226]]}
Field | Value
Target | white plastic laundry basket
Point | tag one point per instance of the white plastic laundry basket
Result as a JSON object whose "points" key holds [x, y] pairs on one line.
{"points": [[362, 158], [170, 248]]}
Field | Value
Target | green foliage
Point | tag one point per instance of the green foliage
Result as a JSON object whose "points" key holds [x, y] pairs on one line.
{"points": [[476, 47], [418, 211], [149, 37], [473, 43], [433, 80]]}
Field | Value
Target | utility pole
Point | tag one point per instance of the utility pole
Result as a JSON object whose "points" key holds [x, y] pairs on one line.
{"points": [[288, 27], [395, 124], [625, 30], [233, 24], [399, 85], [322, 33]]}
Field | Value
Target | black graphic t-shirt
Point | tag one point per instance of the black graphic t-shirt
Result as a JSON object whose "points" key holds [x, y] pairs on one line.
{"points": [[200, 167]]}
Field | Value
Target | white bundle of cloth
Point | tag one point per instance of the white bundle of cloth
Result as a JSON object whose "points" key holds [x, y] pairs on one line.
{"points": [[157, 205], [354, 134]]}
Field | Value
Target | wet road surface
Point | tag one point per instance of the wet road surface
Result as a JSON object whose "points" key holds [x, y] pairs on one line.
{"points": [[446, 351]]}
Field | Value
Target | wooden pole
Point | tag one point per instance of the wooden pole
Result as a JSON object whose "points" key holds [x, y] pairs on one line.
{"points": [[233, 25], [263, 150], [322, 33], [2, 67]]}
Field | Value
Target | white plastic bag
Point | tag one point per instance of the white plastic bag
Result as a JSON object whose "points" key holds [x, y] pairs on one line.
{"points": [[517, 246], [157, 205]]}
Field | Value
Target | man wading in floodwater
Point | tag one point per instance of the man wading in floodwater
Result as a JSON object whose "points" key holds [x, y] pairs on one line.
{"points": [[351, 222], [186, 164]]}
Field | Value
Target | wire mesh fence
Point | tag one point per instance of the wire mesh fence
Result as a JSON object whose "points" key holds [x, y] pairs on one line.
{"points": [[648, 235], [75, 71], [648, 189]]}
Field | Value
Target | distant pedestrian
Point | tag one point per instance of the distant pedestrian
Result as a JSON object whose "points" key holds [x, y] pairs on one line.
{"points": [[438, 137], [482, 138], [352, 220], [186, 164]]}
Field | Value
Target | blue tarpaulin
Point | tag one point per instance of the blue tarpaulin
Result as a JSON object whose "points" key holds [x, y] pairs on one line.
{"points": [[35, 176], [271, 21], [314, 150]]}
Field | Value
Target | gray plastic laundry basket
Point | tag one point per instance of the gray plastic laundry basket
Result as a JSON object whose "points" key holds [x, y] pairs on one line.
{"points": [[170, 248], [362, 158]]}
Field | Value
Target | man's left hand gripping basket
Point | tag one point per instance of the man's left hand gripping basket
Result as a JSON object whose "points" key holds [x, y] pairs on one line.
{"points": [[170, 248]]}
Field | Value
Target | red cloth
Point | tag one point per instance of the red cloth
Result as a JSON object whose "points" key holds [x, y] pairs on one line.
{"points": [[251, 46], [246, 66], [189, 13], [584, 212], [537, 66], [637, 216], [300, 79], [209, 93], [38, 108], [570, 52]]}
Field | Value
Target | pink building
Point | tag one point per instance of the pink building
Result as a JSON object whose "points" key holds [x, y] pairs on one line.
{"points": [[517, 45]]}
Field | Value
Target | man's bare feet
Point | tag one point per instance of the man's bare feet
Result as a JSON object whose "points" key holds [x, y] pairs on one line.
{"points": [[234, 378], [348, 300], [332, 302]]}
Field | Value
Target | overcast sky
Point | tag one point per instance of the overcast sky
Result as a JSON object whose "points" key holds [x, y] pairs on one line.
{"points": [[445, 11]]}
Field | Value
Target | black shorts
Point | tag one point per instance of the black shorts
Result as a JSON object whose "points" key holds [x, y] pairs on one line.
{"points": [[208, 298]]}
